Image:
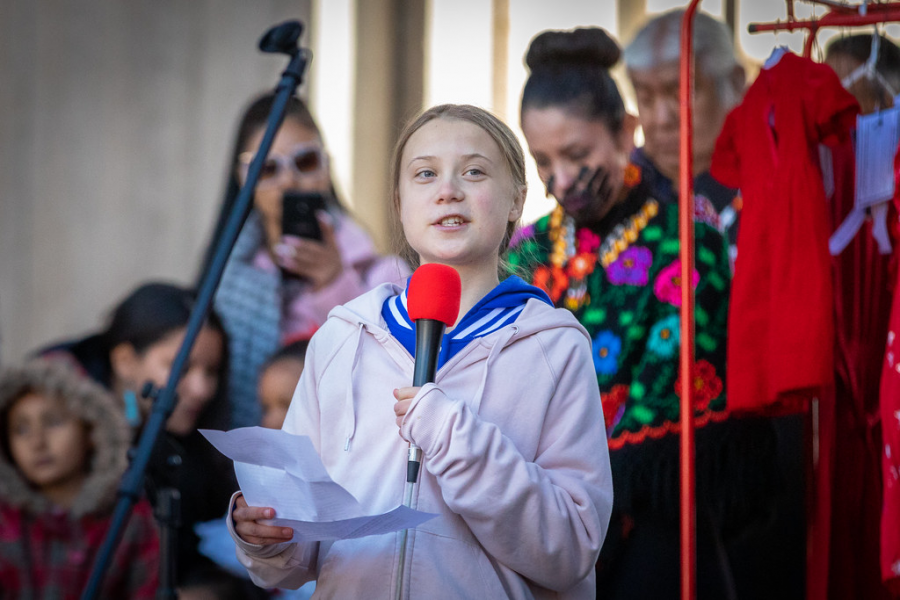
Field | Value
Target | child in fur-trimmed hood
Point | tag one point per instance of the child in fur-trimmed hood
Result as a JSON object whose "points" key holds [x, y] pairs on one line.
{"points": [[63, 448]]}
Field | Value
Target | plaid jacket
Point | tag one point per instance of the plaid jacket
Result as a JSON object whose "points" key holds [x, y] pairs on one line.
{"points": [[50, 555]]}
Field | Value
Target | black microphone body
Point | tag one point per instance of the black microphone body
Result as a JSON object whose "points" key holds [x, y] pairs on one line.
{"points": [[429, 333]]}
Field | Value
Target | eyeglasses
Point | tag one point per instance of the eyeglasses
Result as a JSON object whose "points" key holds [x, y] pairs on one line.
{"points": [[305, 160]]}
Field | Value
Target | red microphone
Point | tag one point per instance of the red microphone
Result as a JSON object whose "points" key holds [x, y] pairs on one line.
{"points": [[432, 301]]}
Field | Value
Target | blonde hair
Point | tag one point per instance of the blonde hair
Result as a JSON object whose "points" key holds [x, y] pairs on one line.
{"points": [[494, 127]]}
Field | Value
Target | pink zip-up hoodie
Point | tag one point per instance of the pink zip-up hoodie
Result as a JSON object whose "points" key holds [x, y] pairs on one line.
{"points": [[515, 461]]}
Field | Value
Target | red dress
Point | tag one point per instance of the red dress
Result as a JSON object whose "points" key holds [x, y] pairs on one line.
{"points": [[849, 430], [890, 422], [780, 323]]}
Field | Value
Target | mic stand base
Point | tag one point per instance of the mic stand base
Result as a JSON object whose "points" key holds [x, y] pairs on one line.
{"points": [[168, 515]]}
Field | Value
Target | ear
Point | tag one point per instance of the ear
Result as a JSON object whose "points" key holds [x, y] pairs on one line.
{"points": [[515, 212], [626, 135], [124, 361]]}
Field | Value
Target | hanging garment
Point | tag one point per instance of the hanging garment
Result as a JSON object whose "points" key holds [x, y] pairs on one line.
{"points": [[781, 315], [862, 304], [890, 420]]}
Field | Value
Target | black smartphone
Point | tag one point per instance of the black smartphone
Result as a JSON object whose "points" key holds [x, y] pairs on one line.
{"points": [[298, 214]]}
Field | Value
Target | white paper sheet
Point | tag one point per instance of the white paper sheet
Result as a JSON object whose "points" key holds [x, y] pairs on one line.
{"points": [[281, 470]]}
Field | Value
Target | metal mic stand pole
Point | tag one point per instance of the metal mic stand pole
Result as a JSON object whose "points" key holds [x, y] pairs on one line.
{"points": [[429, 333], [281, 39], [160, 479]]}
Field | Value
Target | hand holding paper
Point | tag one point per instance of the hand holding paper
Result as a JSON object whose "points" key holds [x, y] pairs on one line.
{"points": [[282, 471]]}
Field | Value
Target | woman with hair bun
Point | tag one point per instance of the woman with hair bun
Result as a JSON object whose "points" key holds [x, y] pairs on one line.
{"points": [[609, 252]]}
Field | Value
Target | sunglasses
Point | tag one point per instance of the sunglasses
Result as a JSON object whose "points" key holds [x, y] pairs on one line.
{"points": [[305, 160]]}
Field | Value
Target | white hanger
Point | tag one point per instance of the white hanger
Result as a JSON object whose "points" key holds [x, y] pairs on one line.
{"points": [[776, 55], [868, 70]]}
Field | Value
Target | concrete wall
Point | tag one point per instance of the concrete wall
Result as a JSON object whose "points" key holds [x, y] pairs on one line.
{"points": [[116, 120]]}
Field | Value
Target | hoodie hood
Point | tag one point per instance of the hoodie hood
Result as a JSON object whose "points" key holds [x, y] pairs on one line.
{"points": [[90, 402]]}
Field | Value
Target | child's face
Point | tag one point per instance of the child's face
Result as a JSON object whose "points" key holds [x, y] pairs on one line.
{"points": [[457, 194], [276, 388], [49, 444], [198, 385]]}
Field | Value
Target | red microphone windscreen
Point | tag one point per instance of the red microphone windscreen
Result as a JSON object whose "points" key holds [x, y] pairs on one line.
{"points": [[434, 292]]}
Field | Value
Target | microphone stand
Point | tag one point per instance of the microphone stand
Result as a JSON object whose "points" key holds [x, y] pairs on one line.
{"points": [[429, 333], [281, 39], [160, 478]]}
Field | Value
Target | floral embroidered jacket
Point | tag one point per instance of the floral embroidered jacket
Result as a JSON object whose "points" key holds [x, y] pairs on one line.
{"points": [[631, 307]]}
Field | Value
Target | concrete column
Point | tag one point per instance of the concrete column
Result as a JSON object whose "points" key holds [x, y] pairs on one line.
{"points": [[388, 90]]}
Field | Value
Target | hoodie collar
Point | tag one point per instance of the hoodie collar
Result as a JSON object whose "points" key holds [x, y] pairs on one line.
{"points": [[499, 307], [372, 313]]}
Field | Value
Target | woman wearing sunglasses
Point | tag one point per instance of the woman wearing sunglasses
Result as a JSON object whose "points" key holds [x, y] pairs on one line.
{"points": [[278, 288]]}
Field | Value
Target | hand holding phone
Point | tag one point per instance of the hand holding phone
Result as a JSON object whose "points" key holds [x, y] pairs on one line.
{"points": [[310, 250], [298, 214]]}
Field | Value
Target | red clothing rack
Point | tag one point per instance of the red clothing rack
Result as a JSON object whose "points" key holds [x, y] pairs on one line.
{"points": [[820, 554], [838, 15]]}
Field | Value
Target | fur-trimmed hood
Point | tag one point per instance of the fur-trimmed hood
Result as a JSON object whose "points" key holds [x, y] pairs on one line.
{"points": [[92, 403]]}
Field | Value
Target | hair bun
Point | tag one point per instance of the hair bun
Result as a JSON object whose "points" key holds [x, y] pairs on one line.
{"points": [[590, 46]]}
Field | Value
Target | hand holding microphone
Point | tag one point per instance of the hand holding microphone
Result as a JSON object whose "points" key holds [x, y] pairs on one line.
{"points": [[432, 303], [404, 398]]}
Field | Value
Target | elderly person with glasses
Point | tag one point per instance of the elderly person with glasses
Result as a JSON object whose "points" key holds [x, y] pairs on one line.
{"points": [[279, 287], [652, 62]]}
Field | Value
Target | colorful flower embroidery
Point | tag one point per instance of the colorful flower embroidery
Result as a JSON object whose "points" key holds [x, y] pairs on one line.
{"points": [[606, 347], [586, 240], [632, 175], [629, 301], [705, 212], [522, 233], [668, 283], [614, 404], [581, 265], [552, 280], [631, 267], [707, 385], [665, 336]]}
